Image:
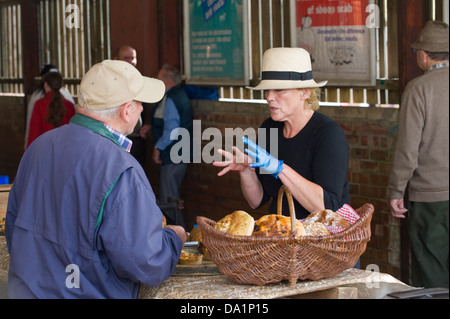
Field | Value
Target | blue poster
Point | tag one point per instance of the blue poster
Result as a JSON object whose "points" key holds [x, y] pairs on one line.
{"points": [[216, 42]]}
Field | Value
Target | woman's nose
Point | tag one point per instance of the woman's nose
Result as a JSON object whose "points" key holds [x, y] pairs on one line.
{"points": [[268, 95]]}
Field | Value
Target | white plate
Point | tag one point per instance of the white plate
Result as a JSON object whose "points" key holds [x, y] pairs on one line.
{"points": [[191, 243]]}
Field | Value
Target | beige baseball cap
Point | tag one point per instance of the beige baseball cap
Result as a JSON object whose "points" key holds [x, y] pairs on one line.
{"points": [[111, 83]]}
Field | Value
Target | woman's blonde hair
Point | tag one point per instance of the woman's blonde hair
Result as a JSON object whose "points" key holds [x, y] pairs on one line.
{"points": [[313, 101]]}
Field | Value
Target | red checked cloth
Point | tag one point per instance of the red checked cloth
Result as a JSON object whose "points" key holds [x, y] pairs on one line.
{"points": [[349, 214]]}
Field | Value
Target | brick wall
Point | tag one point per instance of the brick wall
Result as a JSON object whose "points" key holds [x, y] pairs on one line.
{"points": [[371, 136], [12, 136]]}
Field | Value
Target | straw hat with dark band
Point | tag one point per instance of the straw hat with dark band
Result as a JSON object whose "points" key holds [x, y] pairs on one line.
{"points": [[287, 68]]}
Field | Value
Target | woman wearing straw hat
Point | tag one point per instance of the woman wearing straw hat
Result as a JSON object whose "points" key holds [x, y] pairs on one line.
{"points": [[312, 158]]}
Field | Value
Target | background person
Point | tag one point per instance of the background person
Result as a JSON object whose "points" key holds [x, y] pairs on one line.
{"points": [[52, 111], [81, 208], [39, 94], [313, 153], [172, 113], [126, 53], [421, 161]]}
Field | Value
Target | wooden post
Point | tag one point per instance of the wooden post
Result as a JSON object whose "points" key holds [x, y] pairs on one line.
{"points": [[30, 44], [170, 21], [134, 22], [412, 17]]}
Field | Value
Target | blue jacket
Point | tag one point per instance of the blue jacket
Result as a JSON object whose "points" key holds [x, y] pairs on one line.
{"points": [[60, 246], [183, 106]]}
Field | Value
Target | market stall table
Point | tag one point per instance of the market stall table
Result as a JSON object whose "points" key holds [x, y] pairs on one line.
{"points": [[205, 282], [351, 284], [4, 193]]}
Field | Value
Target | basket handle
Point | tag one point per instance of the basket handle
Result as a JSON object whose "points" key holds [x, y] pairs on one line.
{"points": [[284, 189]]}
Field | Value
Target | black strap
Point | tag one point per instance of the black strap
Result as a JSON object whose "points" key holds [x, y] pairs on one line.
{"points": [[287, 76]]}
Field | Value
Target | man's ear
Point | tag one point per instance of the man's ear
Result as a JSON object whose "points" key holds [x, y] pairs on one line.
{"points": [[424, 57], [125, 111]]}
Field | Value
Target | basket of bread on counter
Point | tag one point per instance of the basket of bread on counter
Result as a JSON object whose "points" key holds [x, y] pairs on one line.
{"points": [[278, 248]]}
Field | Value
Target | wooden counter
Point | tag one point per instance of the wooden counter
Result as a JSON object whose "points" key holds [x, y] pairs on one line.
{"points": [[351, 284], [205, 282], [4, 194]]}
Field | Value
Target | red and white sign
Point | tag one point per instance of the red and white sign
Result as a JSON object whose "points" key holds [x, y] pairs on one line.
{"points": [[333, 13], [339, 38]]}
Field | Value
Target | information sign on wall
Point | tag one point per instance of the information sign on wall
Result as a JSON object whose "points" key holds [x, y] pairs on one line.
{"points": [[216, 42], [340, 36]]}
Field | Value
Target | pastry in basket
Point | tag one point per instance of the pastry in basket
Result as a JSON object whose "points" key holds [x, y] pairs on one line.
{"points": [[238, 223], [164, 222], [204, 251], [187, 257], [329, 218], [276, 225], [196, 234], [316, 229]]}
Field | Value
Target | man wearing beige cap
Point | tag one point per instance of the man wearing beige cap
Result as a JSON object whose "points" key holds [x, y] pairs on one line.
{"points": [[82, 219], [421, 161]]}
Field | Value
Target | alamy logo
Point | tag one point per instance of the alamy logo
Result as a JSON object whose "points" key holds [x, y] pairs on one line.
{"points": [[73, 18], [181, 151], [373, 19], [73, 279], [374, 278]]}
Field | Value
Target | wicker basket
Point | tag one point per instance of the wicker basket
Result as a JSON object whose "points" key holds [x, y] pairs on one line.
{"points": [[263, 260]]}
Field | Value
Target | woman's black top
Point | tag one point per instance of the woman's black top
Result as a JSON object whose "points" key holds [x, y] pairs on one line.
{"points": [[319, 153]]}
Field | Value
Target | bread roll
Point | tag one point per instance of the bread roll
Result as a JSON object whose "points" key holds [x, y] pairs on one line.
{"points": [[238, 223], [328, 218], [316, 229], [276, 225], [190, 257], [196, 235]]}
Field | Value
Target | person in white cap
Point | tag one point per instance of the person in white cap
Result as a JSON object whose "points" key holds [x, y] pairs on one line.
{"points": [[82, 219], [313, 153], [420, 166]]}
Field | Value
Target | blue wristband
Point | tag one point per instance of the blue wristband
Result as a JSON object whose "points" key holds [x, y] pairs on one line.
{"points": [[279, 170]]}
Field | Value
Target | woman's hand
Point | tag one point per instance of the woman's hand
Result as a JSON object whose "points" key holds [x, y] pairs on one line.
{"points": [[250, 185], [265, 161], [237, 161]]}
